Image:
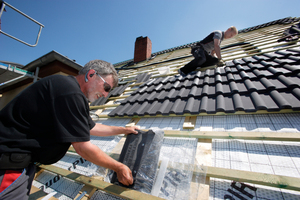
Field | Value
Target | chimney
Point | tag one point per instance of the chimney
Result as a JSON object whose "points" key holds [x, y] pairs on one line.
{"points": [[143, 48]]}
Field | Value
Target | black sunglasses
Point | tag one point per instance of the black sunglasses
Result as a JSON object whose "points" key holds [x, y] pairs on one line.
{"points": [[107, 87]]}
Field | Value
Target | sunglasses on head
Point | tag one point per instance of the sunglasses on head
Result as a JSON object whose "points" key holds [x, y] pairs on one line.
{"points": [[107, 87]]}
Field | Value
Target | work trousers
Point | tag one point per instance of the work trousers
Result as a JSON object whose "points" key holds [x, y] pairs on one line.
{"points": [[202, 59], [16, 184]]}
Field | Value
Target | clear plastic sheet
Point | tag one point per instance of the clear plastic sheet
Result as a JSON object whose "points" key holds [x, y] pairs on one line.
{"points": [[198, 181], [182, 181], [146, 175]]}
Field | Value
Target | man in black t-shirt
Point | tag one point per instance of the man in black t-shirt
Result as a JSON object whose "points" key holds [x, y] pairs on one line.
{"points": [[41, 123], [208, 52]]}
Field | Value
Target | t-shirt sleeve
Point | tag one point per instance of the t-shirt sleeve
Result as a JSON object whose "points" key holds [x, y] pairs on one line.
{"points": [[217, 35], [73, 122]]}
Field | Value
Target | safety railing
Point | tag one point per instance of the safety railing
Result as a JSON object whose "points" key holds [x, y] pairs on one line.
{"points": [[2, 6]]}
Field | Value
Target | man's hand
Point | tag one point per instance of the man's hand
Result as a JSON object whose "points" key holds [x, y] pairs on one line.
{"points": [[220, 63], [124, 175], [131, 129]]}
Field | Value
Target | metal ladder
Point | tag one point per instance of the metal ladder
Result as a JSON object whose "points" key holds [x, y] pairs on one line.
{"points": [[2, 7]]}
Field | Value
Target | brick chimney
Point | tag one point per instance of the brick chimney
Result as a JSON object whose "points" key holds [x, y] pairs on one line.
{"points": [[142, 49]]}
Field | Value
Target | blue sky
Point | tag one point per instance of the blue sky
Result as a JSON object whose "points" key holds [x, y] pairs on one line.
{"points": [[84, 30]]}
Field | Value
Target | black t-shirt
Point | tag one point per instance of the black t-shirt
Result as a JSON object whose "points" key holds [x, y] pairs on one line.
{"points": [[45, 118]]}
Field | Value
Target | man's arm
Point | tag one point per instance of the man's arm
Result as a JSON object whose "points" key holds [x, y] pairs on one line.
{"points": [[92, 153], [217, 48], [104, 130]]}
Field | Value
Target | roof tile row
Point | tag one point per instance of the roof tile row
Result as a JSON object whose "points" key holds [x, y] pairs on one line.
{"points": [[268, 82]]}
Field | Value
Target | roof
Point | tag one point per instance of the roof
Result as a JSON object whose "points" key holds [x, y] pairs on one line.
{"points": [[13, 73], [239, 122]]}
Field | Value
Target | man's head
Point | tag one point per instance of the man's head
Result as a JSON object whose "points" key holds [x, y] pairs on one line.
{"points": [[97, 78], [230, 32]]}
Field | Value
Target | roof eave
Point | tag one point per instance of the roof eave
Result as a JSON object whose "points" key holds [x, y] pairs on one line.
{"points": [[50, 57]]}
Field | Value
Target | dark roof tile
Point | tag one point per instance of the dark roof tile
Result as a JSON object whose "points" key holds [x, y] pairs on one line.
{"points": [[234, 70], [238, 103], [293, 68], [219, 88], [228, 69], [268, 103], [274, 71], [249, 60], [230, 77], [220, 103], [258, 102], [280, 100], [258, 73], [283, 70], [248, 104], [277, 83], [249, 85], [132, 110], [192, 106], [237, 77], [273, 55], [233, 87], [293, 100], [244, 75], [285, 61], [172, 94], [140, 78], [296, 92], [239, 67], [178, 107], [255, 66], [261, 58], [287, 81], [242, 88], [258, 85], [149, 89], [151, 96], [295, 51], [183, 93], [239, 62], [218, 78], [284, 53], [218, 70], [211, 106], [268, 63], [267, 84], [251, 75]]}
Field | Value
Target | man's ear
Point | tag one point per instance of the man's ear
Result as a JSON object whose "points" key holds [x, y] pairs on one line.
{"points": [[91, 73]]}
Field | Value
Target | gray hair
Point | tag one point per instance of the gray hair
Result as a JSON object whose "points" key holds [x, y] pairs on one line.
{"points": [[103, 68]]}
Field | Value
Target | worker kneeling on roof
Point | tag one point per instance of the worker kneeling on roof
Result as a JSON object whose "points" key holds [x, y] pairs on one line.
{"points": [[41, 123], [208, 52]]}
